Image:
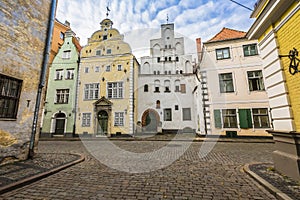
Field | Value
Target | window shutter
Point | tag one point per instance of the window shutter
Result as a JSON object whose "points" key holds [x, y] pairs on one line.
{"points": [[217, 116], [245, 118], [182, 88]]}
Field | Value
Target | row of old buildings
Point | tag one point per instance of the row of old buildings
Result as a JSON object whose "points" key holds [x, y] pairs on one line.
{"points": [[243, 83], [101, 89]]}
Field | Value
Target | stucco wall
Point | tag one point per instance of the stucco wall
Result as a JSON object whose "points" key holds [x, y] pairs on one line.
{"points": [[23, 27]]}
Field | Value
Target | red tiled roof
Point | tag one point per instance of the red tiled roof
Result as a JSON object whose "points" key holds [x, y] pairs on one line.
{"points": [[227, 34]]}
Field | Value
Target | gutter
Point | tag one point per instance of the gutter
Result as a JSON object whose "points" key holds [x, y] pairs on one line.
{"points": [[42, 76]]}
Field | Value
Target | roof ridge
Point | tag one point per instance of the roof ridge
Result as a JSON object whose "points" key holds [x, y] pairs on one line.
{"points": [[227, 34]]}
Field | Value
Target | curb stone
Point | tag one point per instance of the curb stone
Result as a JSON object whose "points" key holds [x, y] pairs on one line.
{"points": [[273, 190], [40, 176]]}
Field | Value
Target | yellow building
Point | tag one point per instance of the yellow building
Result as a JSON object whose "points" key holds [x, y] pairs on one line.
{"points": [[277, 29], [107, 83]]}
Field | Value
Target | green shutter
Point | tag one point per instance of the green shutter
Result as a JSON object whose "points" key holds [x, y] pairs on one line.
{"points": [[245, 118], [217, 116]]}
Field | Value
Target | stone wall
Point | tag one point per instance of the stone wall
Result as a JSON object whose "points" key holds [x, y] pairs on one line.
{"points": [[23, 27]]}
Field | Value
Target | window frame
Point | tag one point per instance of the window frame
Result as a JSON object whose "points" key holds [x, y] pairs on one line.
{"points": [[119, 119], [115, 90], [189, 117], [259, 115], [223, 79], [9, 97], [91, 91], [62, 96], [222, 57], [66, 54], [249, 50], [165, 116], [86, 120], [228, 118], [258, 79]]}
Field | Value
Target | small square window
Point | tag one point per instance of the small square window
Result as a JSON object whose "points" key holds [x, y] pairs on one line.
{"points": [[86, 70], [104, 37], [176, 107], [119, 67], [108, 68], [108, 51], [98, 52], [97, 69], [250, 50]]}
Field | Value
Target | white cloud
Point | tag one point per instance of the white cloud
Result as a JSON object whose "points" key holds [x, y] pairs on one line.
{"points": [[192, 18]]}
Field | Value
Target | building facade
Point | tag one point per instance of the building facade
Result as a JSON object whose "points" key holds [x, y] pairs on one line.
{"points": [[166, 84], [23, 35], [107, 98], [234, 95], [276, 28], [59, 110]]}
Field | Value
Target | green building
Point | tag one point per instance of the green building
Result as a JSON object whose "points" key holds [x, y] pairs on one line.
{"points": [[59, 111]]}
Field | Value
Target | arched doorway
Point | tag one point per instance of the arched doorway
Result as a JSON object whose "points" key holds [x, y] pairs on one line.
{"points": [[60, 119], [102, 122], [150, 120]]}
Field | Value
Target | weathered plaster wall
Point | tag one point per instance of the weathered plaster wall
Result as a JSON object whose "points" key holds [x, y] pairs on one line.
{"points": [[23, 27]]}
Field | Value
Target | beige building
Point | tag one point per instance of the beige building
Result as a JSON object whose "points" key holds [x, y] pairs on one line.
{"points": [[234, 95], [107, 82], [23, 29]]}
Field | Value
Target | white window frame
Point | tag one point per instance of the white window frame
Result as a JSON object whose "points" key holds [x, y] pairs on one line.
{"points": [[119, 119], [62, 96], [115, 90], [70, 74], [86, 119], [91, 91], [59, 74], [66, 54]]}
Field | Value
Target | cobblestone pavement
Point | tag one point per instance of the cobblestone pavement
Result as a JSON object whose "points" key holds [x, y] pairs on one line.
{"points": [[216, 176]]}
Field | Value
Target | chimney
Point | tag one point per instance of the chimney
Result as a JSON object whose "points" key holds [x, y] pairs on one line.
{"points": [[199, 49], [67, 23]]}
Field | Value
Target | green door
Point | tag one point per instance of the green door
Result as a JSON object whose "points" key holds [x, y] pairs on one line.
{"points": [[102, 122], [60, 124]]}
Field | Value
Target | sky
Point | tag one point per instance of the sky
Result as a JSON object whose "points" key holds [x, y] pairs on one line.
{"points": [[140, 20]]}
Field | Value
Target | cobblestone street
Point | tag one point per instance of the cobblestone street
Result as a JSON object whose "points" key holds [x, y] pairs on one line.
{"points": [[216, 176]]}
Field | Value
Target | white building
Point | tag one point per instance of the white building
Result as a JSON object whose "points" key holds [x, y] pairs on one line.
{"points": [[234, 95], [166, 85]]}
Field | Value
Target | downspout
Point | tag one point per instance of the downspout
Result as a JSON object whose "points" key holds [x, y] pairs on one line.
{"points": [[42, 76], [76, 95]]}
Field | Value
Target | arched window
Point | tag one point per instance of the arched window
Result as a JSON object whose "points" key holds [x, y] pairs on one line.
{"points": [[146, 88], [167, 86], [158, 104]]}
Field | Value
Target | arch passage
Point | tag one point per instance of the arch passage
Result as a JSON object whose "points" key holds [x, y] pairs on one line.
{"points": [[150, 120]]}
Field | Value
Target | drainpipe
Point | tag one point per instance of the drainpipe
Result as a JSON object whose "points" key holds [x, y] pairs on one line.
{"points": [[42, 76]]}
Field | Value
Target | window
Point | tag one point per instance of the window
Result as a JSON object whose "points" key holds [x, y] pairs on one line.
{"points": [[104, 37], [156, 85], [59, 74], [177, 58], [223, 53], [261, 118], [255, 80], [177, 86], [146, 88], [97, 69], [119, 119], [98, 52], [154, 72], [167, 86], [226, 83], [62, 96], [108, 51], [86, 70], [158, 72], [169, 72], [229, 118], [86, 120], [66, 54], [62, 36], [10, 90], [176, 107], [168, 114], [70, 74], [170, 58], [108, 68], [158, 104], [115, 90], [250, 50], [158, 59], [119, 67], [166, 72], [91, 91], [217, 119], [186, 114], [166, 58]]}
